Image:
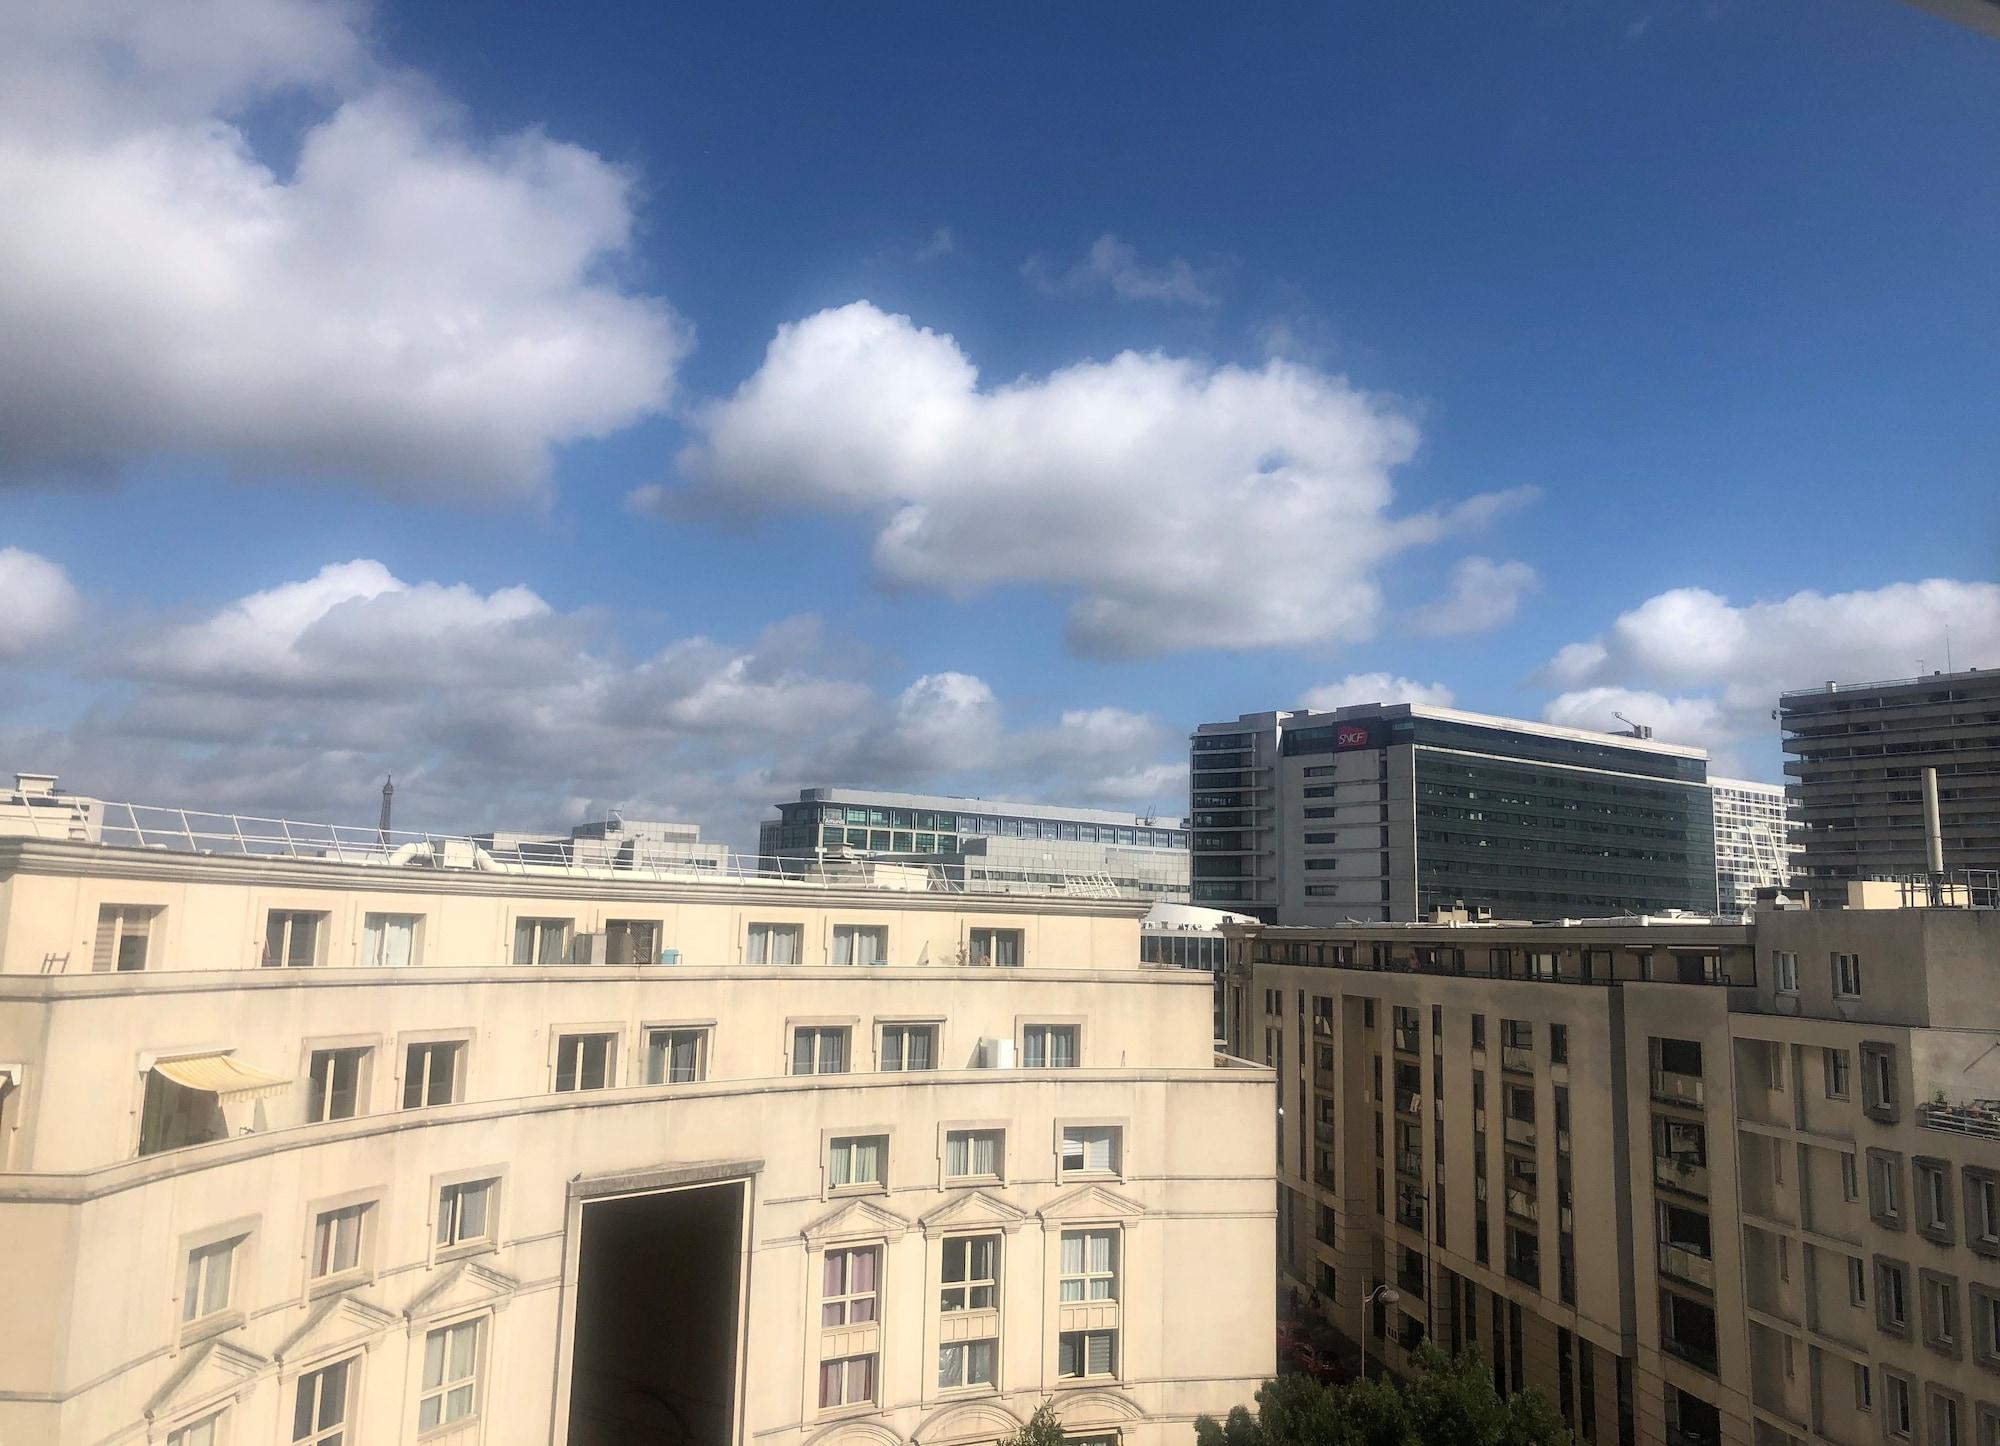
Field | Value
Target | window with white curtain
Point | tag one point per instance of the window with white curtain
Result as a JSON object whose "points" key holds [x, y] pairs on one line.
{"points": [[774, 944], [860, 944], [198, 1433], [465, 1213], [124, 935], [819, 1049], [1092, 1149], [970, 1273], [389, 939], [676, 1056], [1087, 1353], [973, 1154], [586, 1062], [848, 1287], [1089, 1265], [210, 1270], [1049, 1046], [337, 1240], [849, 1381], [451, 1375], [320, 1406], [909, 1046], [292, 938], [857, 1160], [968, 1363], [1000, 947], [542, 941]]}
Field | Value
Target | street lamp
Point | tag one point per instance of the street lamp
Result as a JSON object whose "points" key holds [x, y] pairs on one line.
{"points": [[1386, 1294]]}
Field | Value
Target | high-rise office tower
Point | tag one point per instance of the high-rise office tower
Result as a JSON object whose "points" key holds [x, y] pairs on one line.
{"points": [[1393, 811], [1753, 846]]}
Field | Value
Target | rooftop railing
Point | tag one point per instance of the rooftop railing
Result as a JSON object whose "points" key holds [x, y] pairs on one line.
{"points": [[1981, 1118]]}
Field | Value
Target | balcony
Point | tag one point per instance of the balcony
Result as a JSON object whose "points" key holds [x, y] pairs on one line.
{"points": [[1980, 1118], [1681, 1172], [1516, 1058], [1526, 1268], [1323, 1026], [1522, 1133], [1695, 1353], [1406, 1039], [1411, 1163], [1677, 1089], [1408, 1102], [1523, 1206], [1683, 1264]]}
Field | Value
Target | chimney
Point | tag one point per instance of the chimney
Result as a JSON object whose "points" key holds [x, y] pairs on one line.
{"points": [[1933, 830]]}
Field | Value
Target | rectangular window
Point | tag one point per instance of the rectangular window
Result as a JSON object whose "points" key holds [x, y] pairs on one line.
{"points": [[1846, 976], [859, 944], [336, 1084], [124, 934], [1558, 1044], [209, 1272], [586, 1062], [1940, 1311], [1086, 1353], [451, 1376], [774, 944], [854, 1161], [465, 1214], [1878, 1080], [968, 1363], [973, 1154], [1933, 1197], [1049, 1046], [431, 1073], [676, 1056], [1089, 1265], [1786, 966], [1850, 1183], [291, 939], [1889, 1295], [389, 940], [320, 1405], [1001, 947], [1885, 1187], [1982, 1208], [1836, 1072], [849, 1381], [542, 941], [1902, 1416], [1864, 1388], [337, 1241], [1092, 1149], [1857, 1281], [849, 1287], [631, 941], [819, 1049], [909, 1046], [971, 1273], [1944, 1421], [198, 1433]]}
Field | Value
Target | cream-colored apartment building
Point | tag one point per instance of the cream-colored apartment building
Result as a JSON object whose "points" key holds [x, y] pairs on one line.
{"points": [[1702, 1182], [405, 1144]]}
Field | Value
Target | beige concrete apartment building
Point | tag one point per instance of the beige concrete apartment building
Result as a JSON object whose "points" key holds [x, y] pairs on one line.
{"points": [[403, 1144], [1702, 1182]]}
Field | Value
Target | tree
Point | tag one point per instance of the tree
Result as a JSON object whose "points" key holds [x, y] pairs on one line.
{"points": [[1040, 1429], [1451, 1402]]}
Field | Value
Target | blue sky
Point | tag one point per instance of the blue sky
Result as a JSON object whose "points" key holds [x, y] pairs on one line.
{"points": [[1555, 357]]}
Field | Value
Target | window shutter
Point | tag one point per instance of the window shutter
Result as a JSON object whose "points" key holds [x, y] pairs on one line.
{"points": [[1098, 1350]]}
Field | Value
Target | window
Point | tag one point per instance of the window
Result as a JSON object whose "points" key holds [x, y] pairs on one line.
{"points": [[1902, 1418], [1864, 1388], [465, 1213], [388, 940], [909, 1046], [860, 944], [997, 946], [973, 1154], [631, 941], [451, 1375], [1836, 1073], [291, 939], [1940, 1311], [819, 1049], [1891, 1309], [197, 1433], [1087, 1353], [1986, 1324], [857, 1161], [971, 1273], [848, 1294], [1885, 1187], [1786, 966], [209, 1270], [676, 1056], [124, 933], [1857, 1281], [1089, 1265], [1944, 1420], [774, 944], [1933, 1197], [1479, 1031], [336, 1084], [1847, 976], [968, 1363], [1982, 1209], [586, 1062], [431, 1072], [337, 1241], [1878, 1080], [1092, 1149], [541, 941], [319, 1409], [1049, 1046], [849, 1381], [1850, 1183], [1558, 1044]]}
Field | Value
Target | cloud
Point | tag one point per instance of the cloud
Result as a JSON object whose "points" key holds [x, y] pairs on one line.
{"points": [[1482, 595], [1181, 505], [493, 708], [941, 244], [1709, 671], [409, 303], [1375, 688], [1113, 266], [38, 603]]}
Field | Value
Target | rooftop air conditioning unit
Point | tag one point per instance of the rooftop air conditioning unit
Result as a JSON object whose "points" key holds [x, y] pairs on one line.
{"points": [[997, 1053]]}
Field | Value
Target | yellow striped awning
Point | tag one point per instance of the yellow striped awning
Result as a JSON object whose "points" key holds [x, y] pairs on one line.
{"points": [[231, 1082]]}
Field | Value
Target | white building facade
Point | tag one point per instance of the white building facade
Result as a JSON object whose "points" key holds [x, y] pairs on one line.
{"points": [[1753, 846]]}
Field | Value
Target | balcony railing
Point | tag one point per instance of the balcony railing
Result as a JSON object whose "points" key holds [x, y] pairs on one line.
{"points": [[1523, 1206], [1516, 1058], [1693, 1353], [1681, 1172], [1408, 1102], [1684, 1264], [1521, 1132], [1406, 1040], [1677, 1088], [1411, 1216], [1981, 1118]]}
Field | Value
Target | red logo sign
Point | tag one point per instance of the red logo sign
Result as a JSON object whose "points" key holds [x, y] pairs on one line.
{"points": [[1351, 735]]}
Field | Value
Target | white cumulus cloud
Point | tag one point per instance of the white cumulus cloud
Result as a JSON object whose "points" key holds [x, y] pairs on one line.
{"points": [[38, 602], [1182, 505], [408, 302], [1375, 688], [1482, 595]]}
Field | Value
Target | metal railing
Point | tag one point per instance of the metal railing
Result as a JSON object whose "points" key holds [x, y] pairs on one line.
{"points": [[1981, 1118], [1516, 1058], [1411, 1163], [1684, 1264], [1677, 1088], [1523, 1206], [1520, 1132], [1680, 1174]]}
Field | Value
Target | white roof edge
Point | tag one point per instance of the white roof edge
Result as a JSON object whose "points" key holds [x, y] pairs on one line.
{"points": [[1755, 785], [952, 803], [1519, 725]]}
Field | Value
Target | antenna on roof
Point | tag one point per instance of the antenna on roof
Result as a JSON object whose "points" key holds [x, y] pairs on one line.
{"points": [[1639, 730]]}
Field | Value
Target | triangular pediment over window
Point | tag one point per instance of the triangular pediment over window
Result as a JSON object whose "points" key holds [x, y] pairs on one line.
{"points": [[468, 1285], [974, 1210], [856, 1220], [1092, 1202], [210, 1373], [333, 1324]]}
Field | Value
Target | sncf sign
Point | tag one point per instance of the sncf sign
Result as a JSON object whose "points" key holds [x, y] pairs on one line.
{"points": [[1352, 735]]}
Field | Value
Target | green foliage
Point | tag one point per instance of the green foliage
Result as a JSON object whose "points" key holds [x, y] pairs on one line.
{"points": [[1041, 1429], [1450, 1403]]}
